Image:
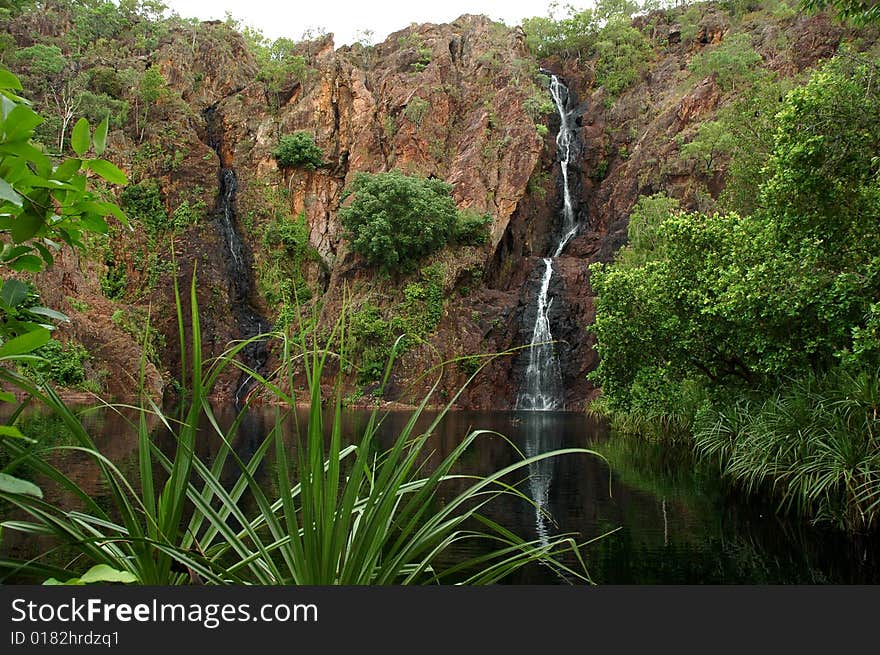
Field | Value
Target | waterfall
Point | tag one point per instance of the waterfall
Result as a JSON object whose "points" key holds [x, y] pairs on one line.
{"points": [[543, 381], [238, 269], [543, 386], [564, 141]]}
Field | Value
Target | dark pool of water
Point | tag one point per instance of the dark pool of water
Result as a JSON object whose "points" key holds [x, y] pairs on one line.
{"points": [[664, 523]]}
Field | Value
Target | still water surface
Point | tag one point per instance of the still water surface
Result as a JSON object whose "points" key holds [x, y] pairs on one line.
{"points": [[671, 524]]}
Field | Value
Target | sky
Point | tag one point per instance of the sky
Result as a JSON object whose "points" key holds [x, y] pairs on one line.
{"points": [[348, 19]]}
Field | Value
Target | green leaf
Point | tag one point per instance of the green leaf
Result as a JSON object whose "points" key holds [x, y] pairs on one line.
{"points": [[7, 397], [29, 263], [9, 81], [13, 292], [49, 313], [44, 252], [12, 485], [25, 227], [93, 223], [20, 123], [103, 209], [79, 138], [100, 138], [66, 170], [9, 194], [25, 343], [29, 152], [10, 430], [104, 573], [108, 171]]}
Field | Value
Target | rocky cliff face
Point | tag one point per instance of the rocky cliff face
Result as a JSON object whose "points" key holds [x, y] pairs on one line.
{"points": [[458, 102]]}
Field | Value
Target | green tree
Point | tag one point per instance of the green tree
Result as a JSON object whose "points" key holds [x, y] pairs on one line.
{"points": [[151, 88], [298, 150], [733, 300], [732, 61], [394, 219]]}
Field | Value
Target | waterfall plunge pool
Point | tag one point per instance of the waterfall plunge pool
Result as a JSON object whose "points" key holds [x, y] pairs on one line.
{"points": [[675, 524]]}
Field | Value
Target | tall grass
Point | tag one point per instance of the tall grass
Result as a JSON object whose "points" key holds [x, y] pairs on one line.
{"points": [[813, 444], [342, 514]]}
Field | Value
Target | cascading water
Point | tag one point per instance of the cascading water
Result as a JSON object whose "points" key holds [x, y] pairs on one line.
{"points": [[238, 269], [543, 387]]}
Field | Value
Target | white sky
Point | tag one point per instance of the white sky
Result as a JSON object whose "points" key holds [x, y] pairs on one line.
{"points": [[347, 19]]}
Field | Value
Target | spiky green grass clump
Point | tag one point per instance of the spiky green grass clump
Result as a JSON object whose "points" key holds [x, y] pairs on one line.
{"points": [[814, 444]]}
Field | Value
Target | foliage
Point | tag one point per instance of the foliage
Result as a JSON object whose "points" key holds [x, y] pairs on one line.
{"points": [[342, 514], [731, 304], [41, 204], [114, 281], [730, 62], [395, 219], [372, 343], [604, 32], [136, 323], [472, 228], [60, 363], [416, 110], [712, 141], [860, 12], [279, 65], [622, 54], [424, 58], [813, 443], [298, 150], [143, 202], [281, 279], [422, 307]]}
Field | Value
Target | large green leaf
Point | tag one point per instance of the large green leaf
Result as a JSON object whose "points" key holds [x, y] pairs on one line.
{"points": [[49, 313], [104, 573], [25, 226], [8, 80], [12, 485], [9, 194], [100, 138], [108, 171], [25, 343], [80, 137], [20, 123], [10, 430], [29, 263], [13, 292], [66, 170]]}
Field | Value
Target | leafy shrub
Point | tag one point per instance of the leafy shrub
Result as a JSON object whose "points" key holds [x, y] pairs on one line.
{"points": [[423, 60], [730, 62], [622, 54], [298, 150], [472, 228], [395, 219], [372, 341], [143, 201], [60, 364], [416, 110]]}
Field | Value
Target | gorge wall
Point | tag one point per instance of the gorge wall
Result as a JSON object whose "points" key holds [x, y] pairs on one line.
{"points": [[461, 102]]}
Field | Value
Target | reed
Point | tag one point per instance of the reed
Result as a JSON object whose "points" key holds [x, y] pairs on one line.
{"points": [[813, 444]]}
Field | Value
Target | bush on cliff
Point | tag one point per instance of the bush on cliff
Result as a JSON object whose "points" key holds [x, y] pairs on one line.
{"points": [[395, 219], [298, 150]]}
